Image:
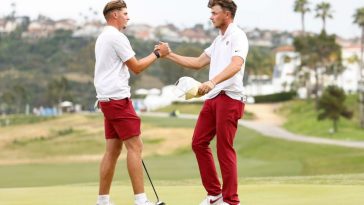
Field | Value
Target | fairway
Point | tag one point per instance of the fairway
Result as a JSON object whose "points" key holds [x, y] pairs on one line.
{"points": [[56, 162], [262, 194], [295, 111]]}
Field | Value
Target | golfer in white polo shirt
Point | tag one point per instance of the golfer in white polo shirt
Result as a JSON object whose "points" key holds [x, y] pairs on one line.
{"points": [[114, 58], [224, 105]]}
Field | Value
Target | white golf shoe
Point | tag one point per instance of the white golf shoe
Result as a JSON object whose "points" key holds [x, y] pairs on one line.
{"points": [[212, 200]]}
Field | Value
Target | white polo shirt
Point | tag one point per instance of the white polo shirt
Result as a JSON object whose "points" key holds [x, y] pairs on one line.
{"points": [[233, 43], [112, 50]]}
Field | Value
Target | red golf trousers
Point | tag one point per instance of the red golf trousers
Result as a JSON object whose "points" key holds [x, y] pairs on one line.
{"points": [[219, 116]]}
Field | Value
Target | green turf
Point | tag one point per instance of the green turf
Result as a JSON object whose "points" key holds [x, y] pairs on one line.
{"points": [[261, 194], [75, 142], [257, 157], [11, 120], [193, 108], [302, 118], [296, 158], [169, 122], [271, 171]]}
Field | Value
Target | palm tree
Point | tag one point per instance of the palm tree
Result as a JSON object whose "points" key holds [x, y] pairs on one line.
{"points": [[359, 19], [323, 11], [13, 11], [301, 6]]}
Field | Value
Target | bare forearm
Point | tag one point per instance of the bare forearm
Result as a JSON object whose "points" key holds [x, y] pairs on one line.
{"points": [[227, 73], [138, 66], [234, 67], [188, 62], [144, 63]]}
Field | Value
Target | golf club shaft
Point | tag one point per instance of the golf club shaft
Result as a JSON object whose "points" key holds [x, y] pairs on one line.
{"points": [[150, 180]]}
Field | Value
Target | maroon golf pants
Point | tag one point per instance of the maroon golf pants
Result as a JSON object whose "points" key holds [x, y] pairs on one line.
{"points": [[219, 116]]}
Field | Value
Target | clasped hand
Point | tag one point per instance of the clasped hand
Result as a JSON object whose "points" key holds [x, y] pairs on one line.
{"points": [[163, 49]]}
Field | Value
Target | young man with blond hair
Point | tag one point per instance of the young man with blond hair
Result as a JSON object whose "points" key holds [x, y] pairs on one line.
{"points": [[224, 105], [114, 58]]}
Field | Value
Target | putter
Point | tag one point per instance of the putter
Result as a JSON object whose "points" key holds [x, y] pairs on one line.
{"points": [[155, 192]]}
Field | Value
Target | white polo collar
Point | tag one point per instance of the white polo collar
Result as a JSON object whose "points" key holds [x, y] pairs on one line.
{"points": [[228, 31]]}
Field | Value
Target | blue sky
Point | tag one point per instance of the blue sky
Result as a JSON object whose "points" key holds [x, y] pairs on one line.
{"points": [[265, 14]]}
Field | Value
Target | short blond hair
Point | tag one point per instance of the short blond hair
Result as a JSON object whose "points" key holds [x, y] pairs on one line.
{"points": [[228, 5], [113, 5]]}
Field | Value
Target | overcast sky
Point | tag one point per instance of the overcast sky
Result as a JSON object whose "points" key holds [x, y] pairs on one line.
{"points": [[264, 14]]}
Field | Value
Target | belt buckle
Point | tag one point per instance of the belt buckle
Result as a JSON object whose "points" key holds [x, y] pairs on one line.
{"points": [[104, 100]]}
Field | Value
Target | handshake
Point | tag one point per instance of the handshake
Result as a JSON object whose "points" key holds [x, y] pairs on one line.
{"points": [[198, 90], [162, 49]]}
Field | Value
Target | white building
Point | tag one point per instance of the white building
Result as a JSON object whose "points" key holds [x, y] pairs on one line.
{"points": [[286, 73], [89, 29], [168, 33], [40, 28], [66, 24], [348, 79], [141, 31], [8, 26]]}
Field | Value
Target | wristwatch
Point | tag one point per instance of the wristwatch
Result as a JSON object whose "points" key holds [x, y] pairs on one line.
{"points": [[156, 53]]}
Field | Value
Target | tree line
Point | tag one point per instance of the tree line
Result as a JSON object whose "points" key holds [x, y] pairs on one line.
{"points": [[322, 52], [44, 72]]}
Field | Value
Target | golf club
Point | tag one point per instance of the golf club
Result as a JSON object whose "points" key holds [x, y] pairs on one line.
{"points": [[150, 180]]}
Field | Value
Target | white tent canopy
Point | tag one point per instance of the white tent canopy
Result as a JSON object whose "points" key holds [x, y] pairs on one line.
{"points": [[66, 104]]}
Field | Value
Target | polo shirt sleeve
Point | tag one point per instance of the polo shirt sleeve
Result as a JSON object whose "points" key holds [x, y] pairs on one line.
{"points": [[123, 48], [208, 51], [240, 45]]}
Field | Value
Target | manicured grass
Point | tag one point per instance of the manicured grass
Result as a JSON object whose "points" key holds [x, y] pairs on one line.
{"points": [[11, 120], [302, 118], [271, 171], [257, 194], [168, 122], [74, 142], [193, 108], [180, 167], [258, 156], [72, 138], [30, 175], [272, 157]]}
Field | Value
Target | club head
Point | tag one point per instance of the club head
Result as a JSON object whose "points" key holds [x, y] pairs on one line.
{"points": [[160, 203]]}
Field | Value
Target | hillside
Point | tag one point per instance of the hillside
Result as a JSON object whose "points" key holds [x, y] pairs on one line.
{"points": [[295, 111], [79, 138], [45, 71]]}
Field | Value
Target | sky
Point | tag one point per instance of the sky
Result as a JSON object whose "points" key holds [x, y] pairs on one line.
{"points": [[263, 14]]}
